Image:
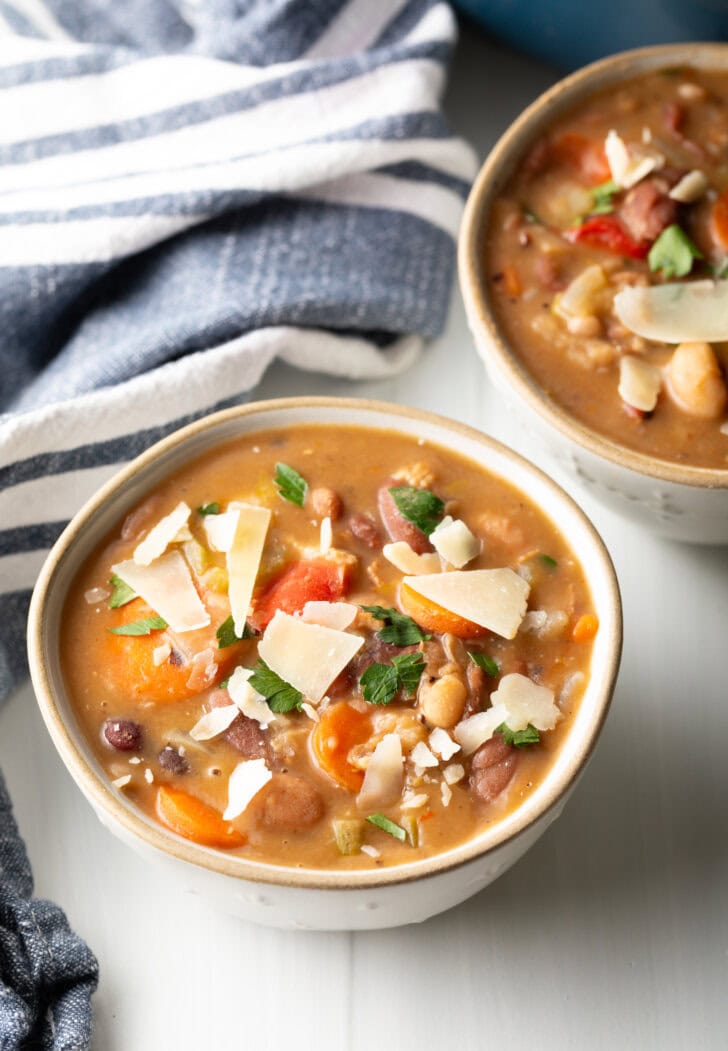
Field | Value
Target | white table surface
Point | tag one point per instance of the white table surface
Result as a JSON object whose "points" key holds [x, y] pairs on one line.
{"points": [[611, 933]]}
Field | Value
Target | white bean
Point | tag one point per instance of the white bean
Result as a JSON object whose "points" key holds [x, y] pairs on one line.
{"points": [[695, 381]]}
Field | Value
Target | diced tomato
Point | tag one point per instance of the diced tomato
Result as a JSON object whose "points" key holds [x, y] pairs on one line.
{"points": [[586, 156], [604, 231], [312, 580], [719, 221]]}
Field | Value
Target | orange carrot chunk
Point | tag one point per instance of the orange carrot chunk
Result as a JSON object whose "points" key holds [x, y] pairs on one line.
{"points": [[436, 619], [340, 728], [190, 817], [511, 282], [585, 628]]}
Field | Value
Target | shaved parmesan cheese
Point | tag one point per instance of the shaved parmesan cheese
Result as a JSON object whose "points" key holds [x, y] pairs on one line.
{"points": [[248, 700], [326, 536], [453, 540], [690, 188], [410, 801], [403, 558], [442, 744], [577, 299], [166, 585], [160, 654], [494, 598], [639, 382], [526, 702], [148, 776], [310, 711], [627, 170], [214, 722], [679, 312], [243, 559], [245, 782], [308, 656], [94, 595], [338, 615], [446, 793], [479, 728], [383, 777], [220, 529], [453, 773], [369, 850], [422, 756], [160, 536], [121, 782]]}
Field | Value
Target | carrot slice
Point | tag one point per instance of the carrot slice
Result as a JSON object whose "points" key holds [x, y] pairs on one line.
{"points": [[340, 728], [585, 628], [436, 618], [511, 281], [719, 221], [188, 816], [586, 156], [312, 580]]}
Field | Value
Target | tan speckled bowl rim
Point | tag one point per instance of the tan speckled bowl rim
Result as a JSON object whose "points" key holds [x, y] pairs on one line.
{"points": [[501, 160], [70, 545]]}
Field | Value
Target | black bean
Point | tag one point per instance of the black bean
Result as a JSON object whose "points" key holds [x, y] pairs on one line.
{"points": [[123, 734], [170, 760]]}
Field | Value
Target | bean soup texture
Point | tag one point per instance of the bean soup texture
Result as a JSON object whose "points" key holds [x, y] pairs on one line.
{"points": [[329, 647], [607, 259]]}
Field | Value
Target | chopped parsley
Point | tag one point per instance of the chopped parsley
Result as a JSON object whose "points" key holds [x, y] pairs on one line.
{"points": [[419, 506], [398, 629], [603, 198], [547, 561], [209, 509], [280, 695], [519, 738], [226, 636], [121, 593], [380, 682], [140, 627], [488, 664], [291, 485], [390, 827], [673, 253]]}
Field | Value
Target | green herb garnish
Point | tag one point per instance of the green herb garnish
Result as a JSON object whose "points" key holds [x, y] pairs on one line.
{"points": [[380, 682], [140, 627], [409, 668], [399, 629], [280, 695], [548, 561], [489, 666], [603, 198], [121, 594], [291, 485], [720, 270], [419, 506], [519, 738], [226, 636], [673, 253], [390, 827], [209, 509], [530, 216]]}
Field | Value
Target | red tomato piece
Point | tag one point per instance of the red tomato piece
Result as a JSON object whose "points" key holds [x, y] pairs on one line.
{"points": [[604, 231], [313, 580]]}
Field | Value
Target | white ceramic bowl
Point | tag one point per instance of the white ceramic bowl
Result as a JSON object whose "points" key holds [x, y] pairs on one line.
{"points": [[678, 501], [306, 898]]}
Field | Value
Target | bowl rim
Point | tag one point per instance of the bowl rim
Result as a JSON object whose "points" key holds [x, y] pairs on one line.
{"points": [[512, 145], [133, 820]]}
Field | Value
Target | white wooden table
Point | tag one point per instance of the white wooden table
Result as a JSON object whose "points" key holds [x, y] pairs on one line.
{"points": [[613, 931]]}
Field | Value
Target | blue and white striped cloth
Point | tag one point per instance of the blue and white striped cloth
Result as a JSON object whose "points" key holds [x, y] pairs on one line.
{"points": [[189, 190]]}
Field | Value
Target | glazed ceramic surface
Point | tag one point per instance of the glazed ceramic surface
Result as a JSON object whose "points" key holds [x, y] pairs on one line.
{"points": [[300, 898], [677, 501]]}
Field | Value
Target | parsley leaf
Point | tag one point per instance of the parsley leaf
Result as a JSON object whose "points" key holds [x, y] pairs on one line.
{"points": [[140, 627], [419, 506], [673, 253], [121, 594], [489, 666], [388, 826], [399, 629], [519, 738], [379, 683], [291, 485], [280, 695], [209, 509], [603, 198], [226, 636], [409, 667], [548, 561]]}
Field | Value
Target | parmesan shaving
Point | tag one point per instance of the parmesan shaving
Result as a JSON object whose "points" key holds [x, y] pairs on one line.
{"points": [[446, 793], [454, 542], [369, 850], [410, 801], [166, 585], [160, 536], [148, 776], [243, 559], [453, 773], [245, 782], [493, 598], [310, 711], [160, 654], [220, 530], [326, 536], [626, 170], [526, 702], [442, 744], [95, 595], [337, 615], [383, 777], [121, 782], [248, 700], [214, 722], [308, 656], [677, 312], [403, 558], [639, 382], [690, 188], [422, 756], [479, 728]]}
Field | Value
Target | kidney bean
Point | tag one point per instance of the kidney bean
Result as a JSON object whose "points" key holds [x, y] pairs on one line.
{"points": [[246, 736], [326, 503], [291, 803], [493, 766], [647, 209], [365, 530], [170, 760], [123, 734], [396, 525]]}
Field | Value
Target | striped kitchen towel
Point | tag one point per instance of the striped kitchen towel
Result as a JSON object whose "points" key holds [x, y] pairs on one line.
{"points": [[188, 190]]}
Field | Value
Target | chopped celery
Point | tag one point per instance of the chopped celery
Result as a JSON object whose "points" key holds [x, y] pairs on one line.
{"points": [[349, 835]]}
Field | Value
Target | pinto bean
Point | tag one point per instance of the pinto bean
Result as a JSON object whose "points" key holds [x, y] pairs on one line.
{"points": [[492, 768], [246, 736], [170, 760], [364, 529], [123, 734], [647, 209], [695, 382], [291, 803], [326, 503], [396, 525]]}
